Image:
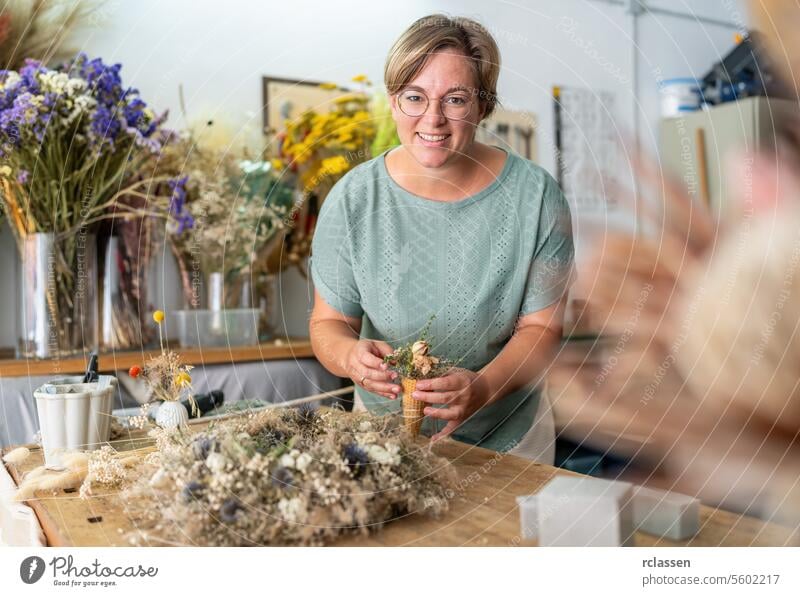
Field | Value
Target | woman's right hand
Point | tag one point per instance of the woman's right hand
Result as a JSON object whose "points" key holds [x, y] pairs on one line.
{"points": [[367, 369]]}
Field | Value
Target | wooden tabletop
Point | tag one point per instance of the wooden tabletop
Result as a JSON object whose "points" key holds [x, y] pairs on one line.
{"points": [[483, 511], [113, 361]]}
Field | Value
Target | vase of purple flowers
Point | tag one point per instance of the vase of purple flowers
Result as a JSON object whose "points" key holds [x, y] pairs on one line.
{"points": [[70, 139], [58, 305]]}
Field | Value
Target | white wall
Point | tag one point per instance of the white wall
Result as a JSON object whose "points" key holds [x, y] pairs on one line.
{"points": [[219, 52]]}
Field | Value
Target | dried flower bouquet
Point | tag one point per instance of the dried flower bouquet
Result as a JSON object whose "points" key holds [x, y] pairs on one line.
{"points": [[413, 362]]}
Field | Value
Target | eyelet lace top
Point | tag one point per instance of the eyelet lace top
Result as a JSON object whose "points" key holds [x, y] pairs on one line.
{"points": [[479, 263]]}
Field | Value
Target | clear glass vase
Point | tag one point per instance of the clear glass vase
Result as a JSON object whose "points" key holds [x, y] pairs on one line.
{"points": [[58, 296], [123, 300]]}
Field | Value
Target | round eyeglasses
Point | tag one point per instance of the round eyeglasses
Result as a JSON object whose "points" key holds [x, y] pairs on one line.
{"points": [[455, 106]]}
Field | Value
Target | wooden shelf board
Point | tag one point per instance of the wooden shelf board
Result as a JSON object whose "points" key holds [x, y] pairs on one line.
{"points": [[113, 361]]}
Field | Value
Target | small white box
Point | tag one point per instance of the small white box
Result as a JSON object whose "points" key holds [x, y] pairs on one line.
{"points": [[528, 517], [667, 514], [583, 511]]}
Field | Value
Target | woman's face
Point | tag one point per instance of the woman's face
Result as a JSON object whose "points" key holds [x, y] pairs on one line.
{"points": [[432, 139]]}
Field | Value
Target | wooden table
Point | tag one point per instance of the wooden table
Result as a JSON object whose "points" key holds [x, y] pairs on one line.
{"points": [[112, 361], [483, 511]]}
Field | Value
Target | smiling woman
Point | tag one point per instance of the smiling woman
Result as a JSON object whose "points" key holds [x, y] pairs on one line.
{"points": [[446, 226]]}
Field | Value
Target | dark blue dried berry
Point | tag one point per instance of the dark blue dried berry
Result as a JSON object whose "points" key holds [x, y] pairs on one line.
{"points": [[229, 510], [282, 478], [193, 490], [356, 458], [201, 447]]}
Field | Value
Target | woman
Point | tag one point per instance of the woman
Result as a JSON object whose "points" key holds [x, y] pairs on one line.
{"points": [[446, 226]]}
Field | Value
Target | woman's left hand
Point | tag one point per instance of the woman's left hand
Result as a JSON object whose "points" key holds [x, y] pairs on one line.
{"points": [[463, 391]]}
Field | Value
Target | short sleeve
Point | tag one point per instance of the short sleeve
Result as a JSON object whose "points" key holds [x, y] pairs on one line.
{"points": [[552, 266], [332, 259]]}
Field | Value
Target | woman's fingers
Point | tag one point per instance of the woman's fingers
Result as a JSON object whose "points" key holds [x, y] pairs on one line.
{"points": [[453, 413], [376, 381], [370, 366], [386, 389], [373, 362], [374, 375], [446, 383], [446, 431], [435, 397], [384, 349], [370, 360]]}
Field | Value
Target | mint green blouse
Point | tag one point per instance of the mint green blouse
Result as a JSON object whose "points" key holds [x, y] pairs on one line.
{"points": [[393, 258]]}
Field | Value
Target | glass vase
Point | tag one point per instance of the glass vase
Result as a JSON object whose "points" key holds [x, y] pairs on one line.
{"points": [[58, 288], [123, 301]]}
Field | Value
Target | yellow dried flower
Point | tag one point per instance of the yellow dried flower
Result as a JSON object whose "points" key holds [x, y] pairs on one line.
{"points": [[183, 379], [328, 86], [158, 316]]}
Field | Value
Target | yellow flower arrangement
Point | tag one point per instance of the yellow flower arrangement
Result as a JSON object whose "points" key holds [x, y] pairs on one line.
{"points": [[322, 147]]}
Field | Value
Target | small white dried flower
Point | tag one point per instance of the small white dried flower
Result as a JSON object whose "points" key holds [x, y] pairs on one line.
{"points": [[382, 456], [290, 508], [216, 462], [302, 461], [139, 421]]}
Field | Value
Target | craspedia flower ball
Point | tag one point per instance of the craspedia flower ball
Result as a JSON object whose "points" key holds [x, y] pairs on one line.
{"points": [[158, 316]]}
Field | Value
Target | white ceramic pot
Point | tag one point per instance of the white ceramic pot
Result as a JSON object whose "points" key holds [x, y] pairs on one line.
{"points": [[74, 415], [171, 414]]}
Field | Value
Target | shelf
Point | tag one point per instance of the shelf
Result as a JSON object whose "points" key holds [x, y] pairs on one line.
{"points": [[114, 361]]}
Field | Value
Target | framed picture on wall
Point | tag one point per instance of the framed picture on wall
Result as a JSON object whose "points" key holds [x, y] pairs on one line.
{"points": [[284, 99]]}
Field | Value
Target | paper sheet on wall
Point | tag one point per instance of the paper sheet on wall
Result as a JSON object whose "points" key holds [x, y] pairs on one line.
{"points": [[589, 156], [592, 173]]}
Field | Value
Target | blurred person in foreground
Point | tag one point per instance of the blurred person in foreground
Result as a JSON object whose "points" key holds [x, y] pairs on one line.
{"points": [[704, 320]]}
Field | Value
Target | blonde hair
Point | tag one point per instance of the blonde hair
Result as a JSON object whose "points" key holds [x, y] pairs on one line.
{"points": [[428, 35]]}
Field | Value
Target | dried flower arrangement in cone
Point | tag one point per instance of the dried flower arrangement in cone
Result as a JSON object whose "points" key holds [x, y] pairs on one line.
{"points": [[414, 362]]}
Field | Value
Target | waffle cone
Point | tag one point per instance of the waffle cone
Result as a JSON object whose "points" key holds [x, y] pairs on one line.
{"points": [[412, 408]]}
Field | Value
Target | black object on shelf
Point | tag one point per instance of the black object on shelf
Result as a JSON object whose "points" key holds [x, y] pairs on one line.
{"points": [[91, 375], [206, 402]]}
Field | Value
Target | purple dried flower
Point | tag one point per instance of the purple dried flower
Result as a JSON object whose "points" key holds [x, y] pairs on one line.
{"points": [[356, 458], [282, 478], [181, 217], [229, 510], [193, 490], [97, 119], [202, 446]]}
